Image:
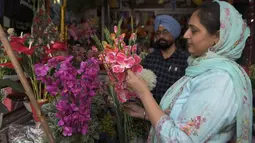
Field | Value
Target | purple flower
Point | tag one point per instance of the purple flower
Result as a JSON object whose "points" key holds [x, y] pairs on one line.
{"points": [[61, 105], [41, 70], [84, 130], [67, 131], [83, 66], [52, 89], [76, 87], [74, 107], [53, 62], [61, 122]]}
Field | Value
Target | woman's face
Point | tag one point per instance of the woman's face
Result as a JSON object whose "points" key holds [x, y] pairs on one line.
{"points": [[199, 40]]}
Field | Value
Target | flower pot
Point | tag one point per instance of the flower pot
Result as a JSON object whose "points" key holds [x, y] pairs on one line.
{"points": [[40, 102]]}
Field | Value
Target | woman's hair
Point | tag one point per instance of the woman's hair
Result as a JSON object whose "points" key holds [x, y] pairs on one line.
{"points": [[209, 14]]}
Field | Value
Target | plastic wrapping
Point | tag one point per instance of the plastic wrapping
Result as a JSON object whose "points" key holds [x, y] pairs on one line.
{"points": [[25, 134]]}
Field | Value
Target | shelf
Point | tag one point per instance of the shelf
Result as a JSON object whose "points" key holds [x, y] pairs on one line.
{"points": [[158, 10]]}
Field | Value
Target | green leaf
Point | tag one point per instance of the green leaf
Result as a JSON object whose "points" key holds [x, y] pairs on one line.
{"points": [[3, 109], [98, 43], [119, 27], [17, 87], [107, 36], [132, 24]]}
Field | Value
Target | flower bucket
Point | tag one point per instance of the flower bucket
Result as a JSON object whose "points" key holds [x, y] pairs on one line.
{"points": [[40, 102]]}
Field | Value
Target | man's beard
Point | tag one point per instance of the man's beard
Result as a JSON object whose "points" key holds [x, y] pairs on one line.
{"points": [[163, 44]]}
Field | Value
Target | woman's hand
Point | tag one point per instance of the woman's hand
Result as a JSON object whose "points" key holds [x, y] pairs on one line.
{"points": [[136, 84], [134, 110]]}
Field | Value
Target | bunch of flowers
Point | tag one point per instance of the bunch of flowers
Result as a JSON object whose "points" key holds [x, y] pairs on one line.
{"points": [[42, 44], [83, 31], [118, 57], [79, 39], [29, 52], [76, 87]]}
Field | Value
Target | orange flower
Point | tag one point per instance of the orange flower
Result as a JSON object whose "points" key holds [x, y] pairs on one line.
{"points": [[113, 36]]}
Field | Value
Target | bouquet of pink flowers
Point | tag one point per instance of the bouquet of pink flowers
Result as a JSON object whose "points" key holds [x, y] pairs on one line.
{"points": [[118, 57]]}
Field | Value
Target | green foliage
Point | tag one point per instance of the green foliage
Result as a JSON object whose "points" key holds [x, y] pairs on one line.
{"points": [[17, 87]]}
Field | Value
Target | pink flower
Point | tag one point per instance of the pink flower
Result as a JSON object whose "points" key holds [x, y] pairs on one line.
{"points": [[94, 49], [110, 57], [137, 69], [121, 76], [124, 62], [115, 29], [129, 62], [137, 59], [133, 36], [122, 95], [118, 69], [134, 48]]}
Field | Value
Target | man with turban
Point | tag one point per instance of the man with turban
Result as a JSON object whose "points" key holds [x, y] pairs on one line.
{"points": [[168, 61]]}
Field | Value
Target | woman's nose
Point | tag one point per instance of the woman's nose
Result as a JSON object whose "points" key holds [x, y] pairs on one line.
{"points": [[187, 34]]}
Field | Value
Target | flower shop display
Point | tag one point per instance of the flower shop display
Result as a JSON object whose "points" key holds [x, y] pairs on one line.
{"points": [[42, 44], [79, 38]]}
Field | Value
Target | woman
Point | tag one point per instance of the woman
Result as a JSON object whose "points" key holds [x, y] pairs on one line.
{"points": [[213, 101]]}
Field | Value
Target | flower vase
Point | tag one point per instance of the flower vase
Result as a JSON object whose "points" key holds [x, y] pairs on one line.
{"points": [[40, 102]]}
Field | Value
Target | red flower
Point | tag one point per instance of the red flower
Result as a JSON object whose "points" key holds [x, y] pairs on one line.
{"points": [[9, 64], [59, 46], [21, 48], [56, 46]]}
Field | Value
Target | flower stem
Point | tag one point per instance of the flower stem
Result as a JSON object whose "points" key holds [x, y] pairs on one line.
{"points": [[121, 134]]}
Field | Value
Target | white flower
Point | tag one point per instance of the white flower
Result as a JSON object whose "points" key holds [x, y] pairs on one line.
{"points": [[149, 77], [10, 31]]}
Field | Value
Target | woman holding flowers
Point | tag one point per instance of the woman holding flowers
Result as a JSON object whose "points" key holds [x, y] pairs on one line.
{"points": [[213, 101]]}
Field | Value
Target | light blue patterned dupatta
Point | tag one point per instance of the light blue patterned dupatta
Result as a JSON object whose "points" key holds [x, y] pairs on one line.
{"points": [[233, 35]]}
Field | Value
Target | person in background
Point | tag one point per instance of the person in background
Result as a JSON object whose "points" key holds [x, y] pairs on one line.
{"points": [[213, 101], [168, 61]]}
